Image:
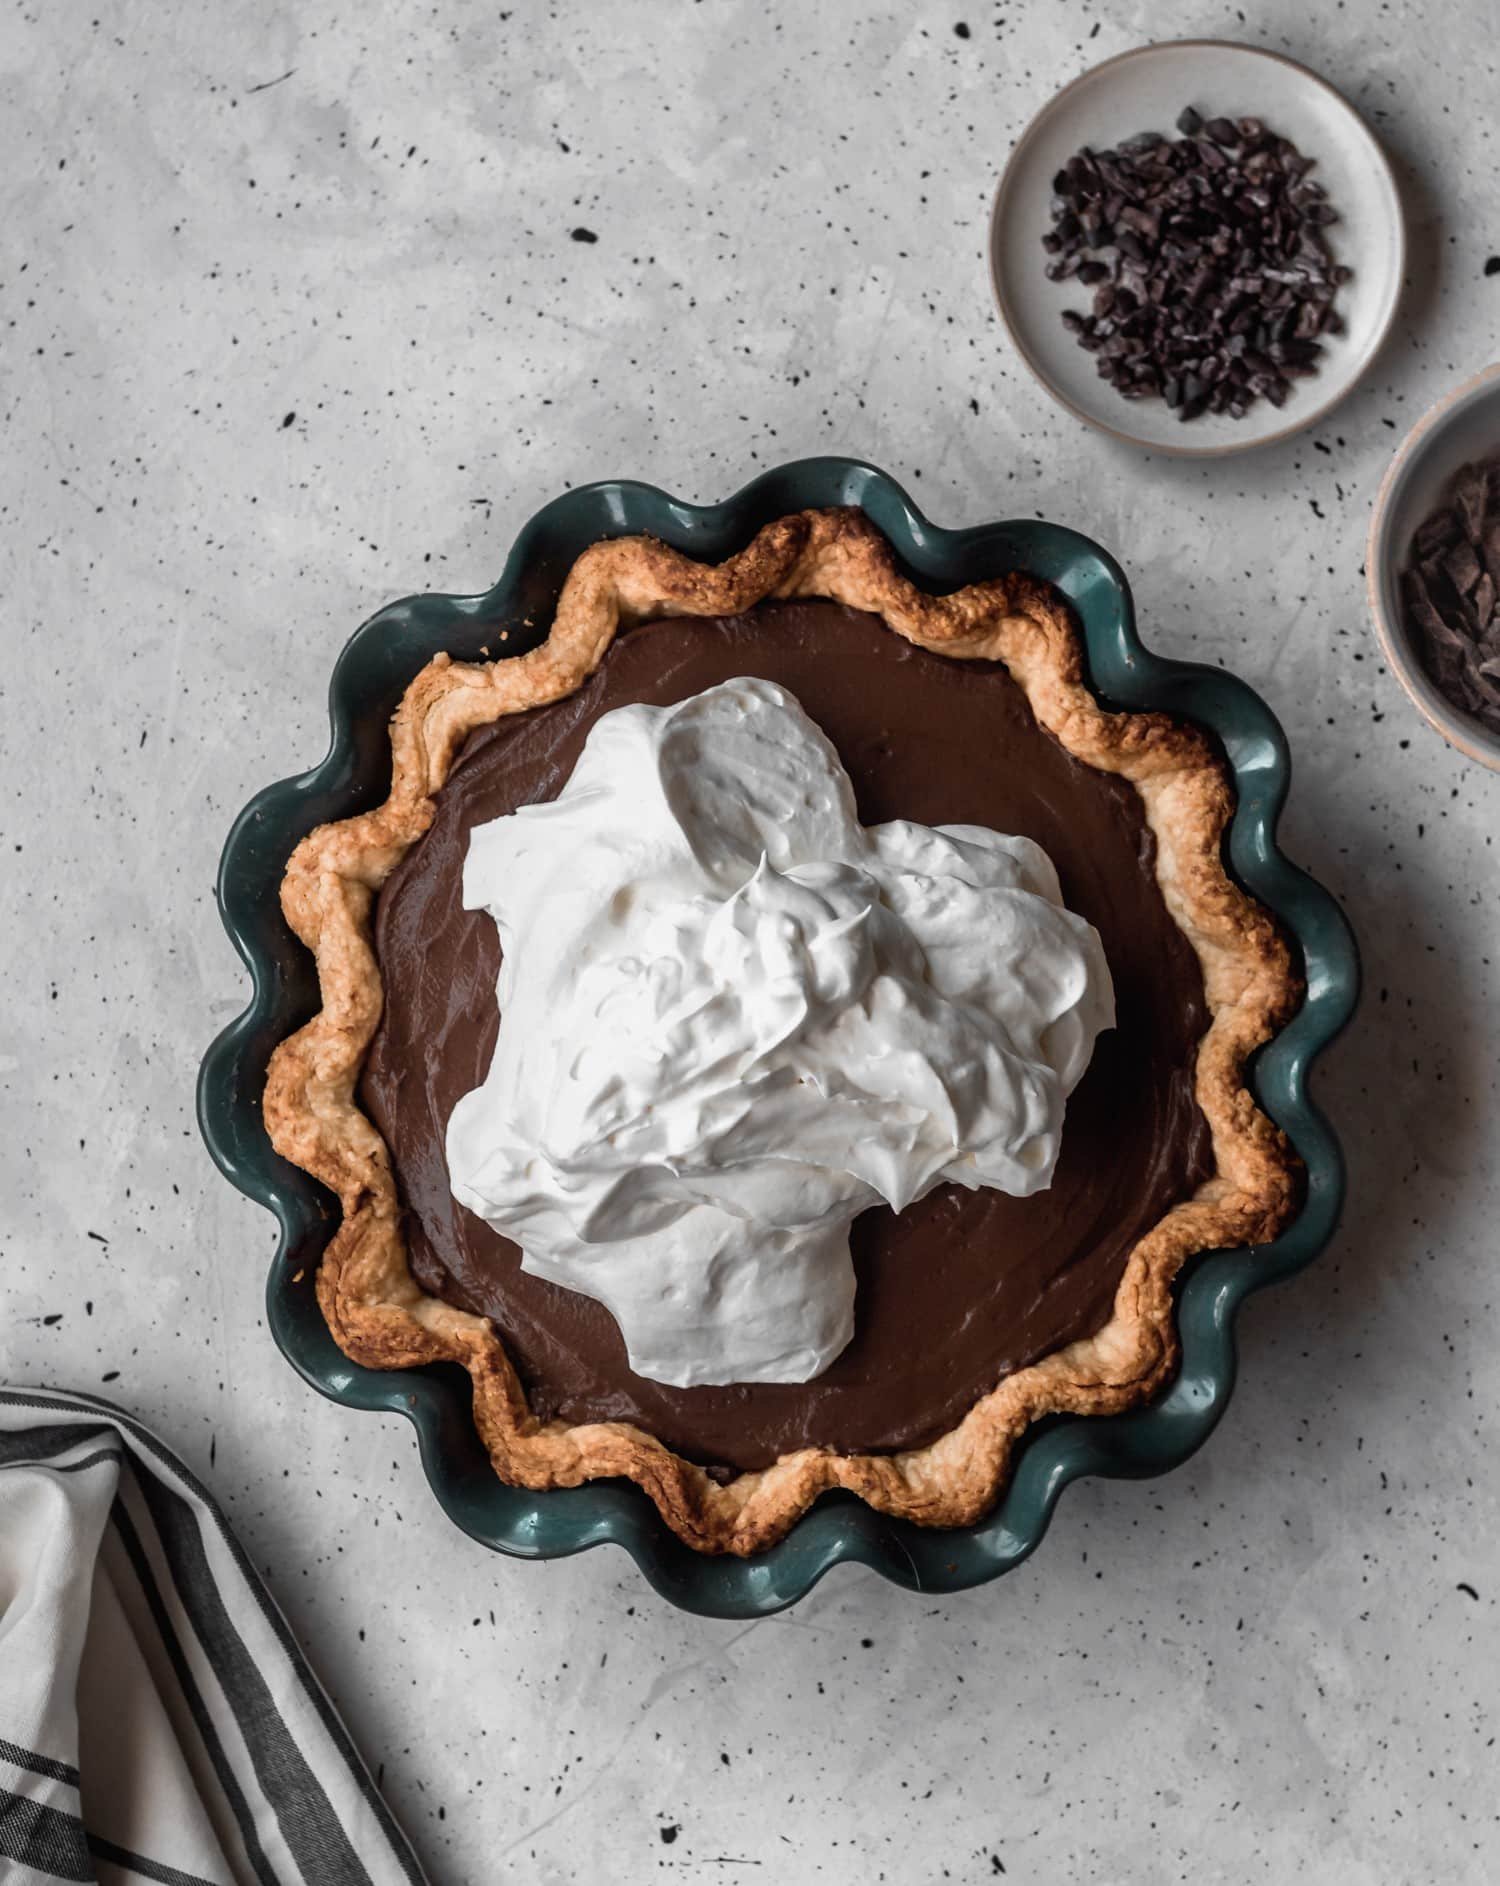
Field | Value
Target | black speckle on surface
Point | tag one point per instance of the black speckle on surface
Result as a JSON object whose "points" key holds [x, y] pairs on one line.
{"points": [[97, 1236], [961, 27], [580, 234], [867, 1643], [288, 421], [1492, 265], [669, 1833], [110, 1375]]}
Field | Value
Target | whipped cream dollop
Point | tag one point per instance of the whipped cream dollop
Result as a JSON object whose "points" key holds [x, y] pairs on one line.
{"points": [[732, 1018]]}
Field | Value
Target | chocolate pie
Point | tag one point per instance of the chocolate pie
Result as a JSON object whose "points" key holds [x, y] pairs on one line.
{"points": [[975, 1310]]}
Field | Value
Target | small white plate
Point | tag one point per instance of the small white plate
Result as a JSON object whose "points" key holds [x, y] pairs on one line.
{"points": [[1145, 90]]}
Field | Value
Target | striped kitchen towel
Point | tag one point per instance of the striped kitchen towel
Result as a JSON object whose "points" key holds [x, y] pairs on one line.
{"points": [[157, 1721]]}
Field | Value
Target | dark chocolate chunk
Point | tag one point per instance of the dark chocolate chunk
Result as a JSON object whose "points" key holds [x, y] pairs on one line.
{"points": [[1451, 590], [1470, 495], [1437, 532], [1462, 566], [1483, 600], [1489, 549]]}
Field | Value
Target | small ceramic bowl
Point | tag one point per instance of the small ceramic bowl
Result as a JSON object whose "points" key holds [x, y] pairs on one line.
{"points": [[368, 680], [1463, 427], [1145, 90]]}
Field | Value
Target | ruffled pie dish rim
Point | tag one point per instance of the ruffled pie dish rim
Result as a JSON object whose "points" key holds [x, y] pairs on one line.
{"points": [[372, 674]]}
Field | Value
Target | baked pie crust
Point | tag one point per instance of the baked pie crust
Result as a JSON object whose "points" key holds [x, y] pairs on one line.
{"points": [[381, 1318]]}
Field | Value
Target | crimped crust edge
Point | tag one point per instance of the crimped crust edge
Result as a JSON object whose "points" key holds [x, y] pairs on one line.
{"points": [[377, 1312]]}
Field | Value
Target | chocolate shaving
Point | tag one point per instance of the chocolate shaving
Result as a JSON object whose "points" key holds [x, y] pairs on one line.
{"points": [[1437, 533], [1213, 282], [1451, 589], [1470, 491], [1463, 567], [1423, 611], [1489, 547]]}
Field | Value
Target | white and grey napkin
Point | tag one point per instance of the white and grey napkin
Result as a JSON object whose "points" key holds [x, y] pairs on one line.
{"points": [[157, 1720]]}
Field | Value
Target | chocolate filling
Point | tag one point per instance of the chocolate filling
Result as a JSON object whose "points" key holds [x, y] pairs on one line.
{"points": [[962, 1288]]}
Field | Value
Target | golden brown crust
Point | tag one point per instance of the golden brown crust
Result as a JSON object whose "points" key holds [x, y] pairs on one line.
{"points": [[378, 1314]]}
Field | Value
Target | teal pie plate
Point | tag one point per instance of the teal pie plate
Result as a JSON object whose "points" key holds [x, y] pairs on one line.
{"points": [[369, 679]]}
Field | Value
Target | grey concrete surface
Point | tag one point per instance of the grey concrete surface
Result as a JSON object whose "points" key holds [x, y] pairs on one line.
{"points": [[294, 321]]}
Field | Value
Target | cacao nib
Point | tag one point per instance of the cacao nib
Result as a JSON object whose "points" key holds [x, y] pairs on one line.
{"points": [[1215, 239]]}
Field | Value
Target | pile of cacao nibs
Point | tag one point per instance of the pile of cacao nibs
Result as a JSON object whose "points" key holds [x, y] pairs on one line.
{"points": [[1212, 281], [1452, 588]]}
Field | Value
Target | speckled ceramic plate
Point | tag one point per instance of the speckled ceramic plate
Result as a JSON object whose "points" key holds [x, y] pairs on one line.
{"points": [[368, 681], [1145, 90]]}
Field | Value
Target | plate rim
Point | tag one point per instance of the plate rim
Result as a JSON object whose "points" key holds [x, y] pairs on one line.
{"points": [[1053, 1453], [1232, 448]]}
